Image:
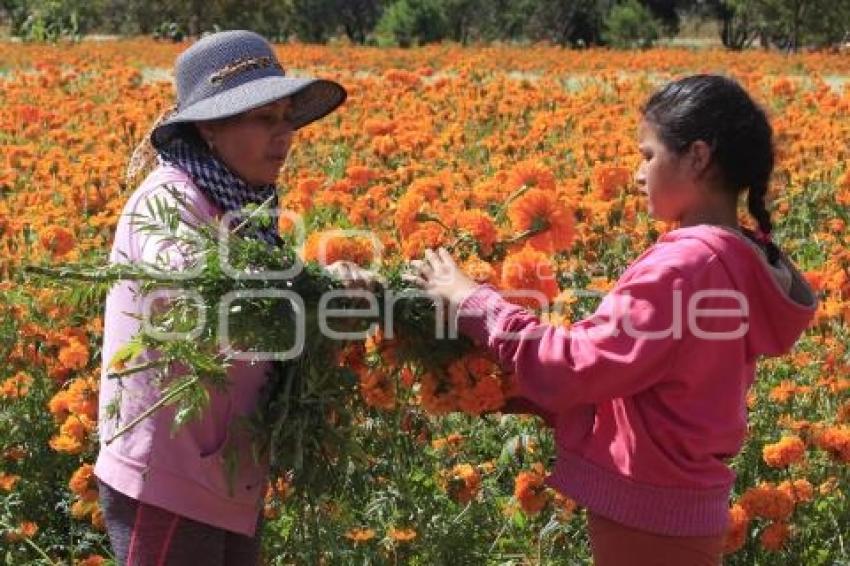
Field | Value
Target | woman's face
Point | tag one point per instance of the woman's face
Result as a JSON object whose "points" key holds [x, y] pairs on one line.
{"points": [[254, 144]]}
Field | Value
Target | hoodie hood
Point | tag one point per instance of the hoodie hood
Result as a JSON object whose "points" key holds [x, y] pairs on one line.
{"points": [[780, 301]]}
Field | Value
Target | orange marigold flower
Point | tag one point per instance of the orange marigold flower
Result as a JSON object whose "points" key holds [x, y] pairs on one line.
{"points": [[560, 313], [782, 454], [564, 506], [736, 534], [359, 535], [477, 382], [360, 175], [8, 481], [407, 212], [435, 396], [309, 184], [66, 444], [530, 492], [783, 87], [530, 271], [531, 174], [378, 127], [407, 376], [540, 210], [26, 529], [452, 441], [93, 560], [430, 188], [16, 386], [401, 77], [768, 502], [57, 240], [428, 235], [74, 356], [607, 181], [77, 426], [774, 537], [801, 491], [82, 509], [401, 535], [377, 388], [479, 270], [462, 483], [80, 481], [480, 226], [828, 486], [486, 394], [326, 247], [384, 146], [783, 392], [836, 441]]}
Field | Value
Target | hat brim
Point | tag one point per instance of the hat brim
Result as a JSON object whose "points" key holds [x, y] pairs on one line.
{"points": [[312, 99]]}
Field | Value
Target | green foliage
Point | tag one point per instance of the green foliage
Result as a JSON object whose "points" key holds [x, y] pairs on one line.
{"points": [[576, 23], [52, 20], [631, 25], [788, 24], [669, 12], [170, 31], [42, 495], [413, 22], [292, 426]]}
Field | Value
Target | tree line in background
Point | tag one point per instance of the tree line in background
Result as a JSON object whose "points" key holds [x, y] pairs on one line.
{"points": [[786, 24]]}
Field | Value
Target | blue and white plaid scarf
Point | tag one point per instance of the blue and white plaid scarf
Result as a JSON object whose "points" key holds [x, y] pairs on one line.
{"points": [[224, 188]]}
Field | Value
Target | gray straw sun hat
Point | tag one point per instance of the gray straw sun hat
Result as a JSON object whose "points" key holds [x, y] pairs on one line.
{"points": [[230, 72]]}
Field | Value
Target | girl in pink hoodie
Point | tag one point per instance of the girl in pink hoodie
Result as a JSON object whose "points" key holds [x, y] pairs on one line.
{"points": [[648, 396]]}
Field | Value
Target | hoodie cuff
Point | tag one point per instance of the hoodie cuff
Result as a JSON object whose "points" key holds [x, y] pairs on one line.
{"points": [[478, 312]]}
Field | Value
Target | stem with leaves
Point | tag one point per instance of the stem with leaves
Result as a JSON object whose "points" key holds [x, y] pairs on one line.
{"points": [[164, 400]]}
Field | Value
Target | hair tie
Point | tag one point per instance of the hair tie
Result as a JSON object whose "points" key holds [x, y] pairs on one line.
{"points": [[763, 237]]}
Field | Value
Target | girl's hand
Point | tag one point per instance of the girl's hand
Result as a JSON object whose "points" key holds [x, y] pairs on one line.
{"points": [[440, 277], [353, 276]]}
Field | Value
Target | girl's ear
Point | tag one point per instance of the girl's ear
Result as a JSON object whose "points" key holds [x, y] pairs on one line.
{"points": [[699, 156]]}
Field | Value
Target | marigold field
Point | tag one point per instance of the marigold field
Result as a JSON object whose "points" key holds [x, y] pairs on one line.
{"points": [[433, 142]]}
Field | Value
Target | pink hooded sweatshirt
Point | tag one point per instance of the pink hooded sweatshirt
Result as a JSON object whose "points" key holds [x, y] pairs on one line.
{"points": [[648, 397], [184, 472]]}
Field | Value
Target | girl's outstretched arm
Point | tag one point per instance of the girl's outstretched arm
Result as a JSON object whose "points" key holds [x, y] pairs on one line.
{"points": [[627, 345]]}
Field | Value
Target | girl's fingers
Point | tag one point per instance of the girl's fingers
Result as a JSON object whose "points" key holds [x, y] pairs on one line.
{"points": [[421, 267], [446, 256], [415, 279], [362, 278], [338, 270], [368, 278], [432, 259], [348, 273], [416, 266]]}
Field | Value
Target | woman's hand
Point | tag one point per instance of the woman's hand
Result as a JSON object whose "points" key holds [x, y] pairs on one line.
{"points": [[353, 276], [440, 277]]}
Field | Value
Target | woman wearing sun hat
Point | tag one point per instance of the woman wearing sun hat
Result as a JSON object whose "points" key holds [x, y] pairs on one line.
{"points": [[165, 497]]}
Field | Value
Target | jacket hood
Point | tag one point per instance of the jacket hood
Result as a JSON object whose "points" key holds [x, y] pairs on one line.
{"points": [[780, 302]]}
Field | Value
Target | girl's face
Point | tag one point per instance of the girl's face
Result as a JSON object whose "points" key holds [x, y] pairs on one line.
{"points": [[664, 176], [254, 144]]}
